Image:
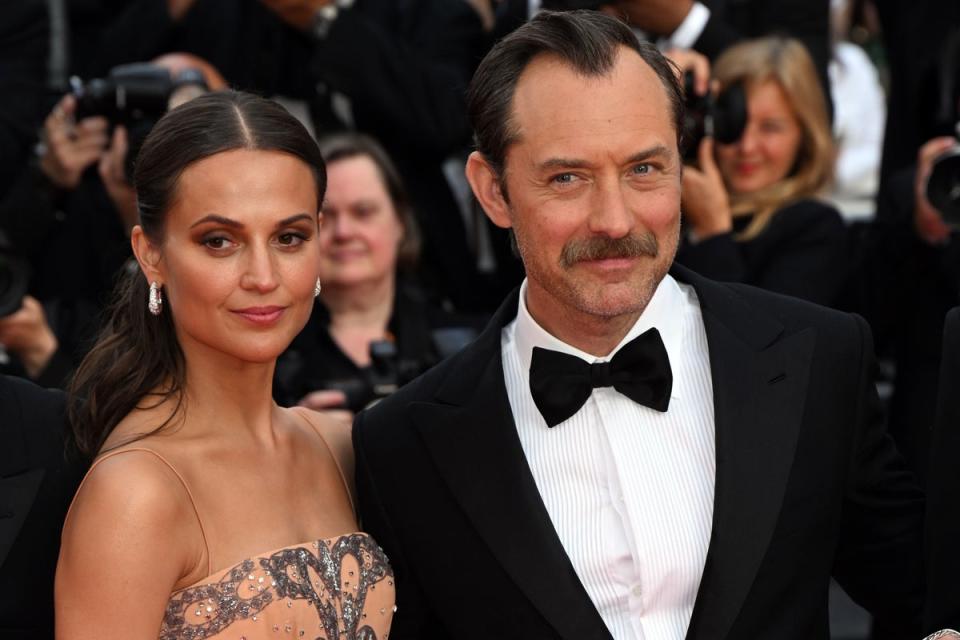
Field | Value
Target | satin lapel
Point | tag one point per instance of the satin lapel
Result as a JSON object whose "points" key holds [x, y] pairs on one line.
{"points": [[471, 436], [759, 384]]}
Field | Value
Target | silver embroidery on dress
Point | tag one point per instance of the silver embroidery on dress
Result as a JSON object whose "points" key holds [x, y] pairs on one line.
{"points": [[247, 589]]}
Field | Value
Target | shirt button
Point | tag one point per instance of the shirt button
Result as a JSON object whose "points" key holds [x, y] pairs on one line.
{"points": [[636, 591]]}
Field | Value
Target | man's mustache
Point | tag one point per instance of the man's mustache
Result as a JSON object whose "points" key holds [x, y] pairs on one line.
{"points": [[601, 248]]}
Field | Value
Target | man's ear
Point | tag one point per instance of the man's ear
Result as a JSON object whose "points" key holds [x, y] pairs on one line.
{"points": [[486, 187], [147, 254]]}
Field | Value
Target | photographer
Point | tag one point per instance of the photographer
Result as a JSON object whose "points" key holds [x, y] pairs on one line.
{"points": [[751, 207], [372, 328], [69, 217]]}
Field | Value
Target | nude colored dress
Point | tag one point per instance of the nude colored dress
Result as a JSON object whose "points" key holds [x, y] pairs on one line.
{"points": [[335, 589]]}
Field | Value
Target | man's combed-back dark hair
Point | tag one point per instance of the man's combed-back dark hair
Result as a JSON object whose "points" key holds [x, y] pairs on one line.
{"points": [[137, 355], [588, 41]]}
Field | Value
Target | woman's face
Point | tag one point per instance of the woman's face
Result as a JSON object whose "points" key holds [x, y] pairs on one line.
{"points": [[361, 230], [768, 148], [240, 256]]}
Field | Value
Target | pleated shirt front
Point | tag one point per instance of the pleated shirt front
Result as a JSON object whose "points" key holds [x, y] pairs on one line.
{"points": [[629, 490]]}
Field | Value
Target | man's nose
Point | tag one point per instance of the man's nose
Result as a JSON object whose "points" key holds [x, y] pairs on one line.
{"points": [[610, 214]]}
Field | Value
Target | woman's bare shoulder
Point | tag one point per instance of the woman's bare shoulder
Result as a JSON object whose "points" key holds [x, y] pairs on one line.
{"points": [[335, 429]]}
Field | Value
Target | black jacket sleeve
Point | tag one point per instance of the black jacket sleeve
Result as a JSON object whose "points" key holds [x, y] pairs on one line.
{"points": [[802, 253], [406, 81], [943, 492]]}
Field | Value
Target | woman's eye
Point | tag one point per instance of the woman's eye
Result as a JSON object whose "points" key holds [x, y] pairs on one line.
{"points": [[216, 242], [290, 239]]}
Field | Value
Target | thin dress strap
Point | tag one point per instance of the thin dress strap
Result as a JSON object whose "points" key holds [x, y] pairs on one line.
{"points": [[343, 478], [193, 504]]}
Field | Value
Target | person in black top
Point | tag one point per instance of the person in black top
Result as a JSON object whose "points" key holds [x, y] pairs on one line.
{"points": [[39, 472], [372, 327], [751, 212]]}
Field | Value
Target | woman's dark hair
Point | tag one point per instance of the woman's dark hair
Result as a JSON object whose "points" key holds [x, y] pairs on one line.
{"points": [[587, 41], [342, 146], [137, 354]]}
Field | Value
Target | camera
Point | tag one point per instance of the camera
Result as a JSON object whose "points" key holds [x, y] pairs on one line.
{"points": [[133, 95], [722, 116], [388, 370], [14, 278], [943, 185]]}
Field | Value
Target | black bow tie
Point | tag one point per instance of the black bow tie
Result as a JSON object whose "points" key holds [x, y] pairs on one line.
{"points": [[561, 383]]}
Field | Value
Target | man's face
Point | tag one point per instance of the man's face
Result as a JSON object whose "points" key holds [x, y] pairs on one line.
{"points": [[594, 187]]}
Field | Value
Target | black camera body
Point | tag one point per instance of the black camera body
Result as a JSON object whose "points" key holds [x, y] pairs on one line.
{"points": [[133, 95], [388, 370], [722, 116]]}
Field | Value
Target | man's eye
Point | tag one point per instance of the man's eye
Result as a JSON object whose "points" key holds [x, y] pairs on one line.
{"points": [[564, 178], [642, 169]]}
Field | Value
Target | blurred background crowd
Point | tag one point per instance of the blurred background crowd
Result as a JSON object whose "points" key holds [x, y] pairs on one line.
{"points": [[821, 151]]}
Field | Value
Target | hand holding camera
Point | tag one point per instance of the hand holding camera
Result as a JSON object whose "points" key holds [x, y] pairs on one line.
{"points": [[70, 146], [928, 217], [705, 203], [27, 334]]}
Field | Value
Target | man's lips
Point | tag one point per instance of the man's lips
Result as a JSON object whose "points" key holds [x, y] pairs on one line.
{"points": [[260, 315]]}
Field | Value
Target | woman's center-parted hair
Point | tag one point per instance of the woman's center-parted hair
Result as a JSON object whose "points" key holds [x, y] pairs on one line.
{"points": [[211, 124], [786, 62], [137, 357]]}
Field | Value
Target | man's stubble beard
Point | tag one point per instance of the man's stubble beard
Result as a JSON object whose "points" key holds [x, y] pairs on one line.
{"points": [[585, 297]]}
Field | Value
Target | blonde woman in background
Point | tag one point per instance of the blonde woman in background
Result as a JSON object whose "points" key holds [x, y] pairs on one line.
{"points": [[752, 209]]}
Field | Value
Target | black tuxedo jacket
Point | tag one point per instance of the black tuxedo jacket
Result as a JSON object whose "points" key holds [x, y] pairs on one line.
{"points": [[808, 486], [37, 481], [943, 479]]}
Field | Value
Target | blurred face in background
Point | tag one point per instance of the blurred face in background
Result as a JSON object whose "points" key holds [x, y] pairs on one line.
{"points": [[361, 230], [767, 151]]}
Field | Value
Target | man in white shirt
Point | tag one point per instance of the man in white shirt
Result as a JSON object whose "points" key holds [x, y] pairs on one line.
{"points": [[629, 450]]}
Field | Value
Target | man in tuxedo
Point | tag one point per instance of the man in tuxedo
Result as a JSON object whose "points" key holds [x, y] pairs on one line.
{"points": [[943, 516], [629, 450], [38, 477]]}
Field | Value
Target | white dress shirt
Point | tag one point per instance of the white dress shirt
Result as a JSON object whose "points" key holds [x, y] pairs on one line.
{"points": [[629, 489]]}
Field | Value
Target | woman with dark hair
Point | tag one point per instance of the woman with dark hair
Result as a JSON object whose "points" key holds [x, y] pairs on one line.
{"points": [[369, 245], [753, 209], [192, 520]]}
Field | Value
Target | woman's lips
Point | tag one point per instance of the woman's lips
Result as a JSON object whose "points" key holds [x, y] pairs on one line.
{"points": [[260, 315]]}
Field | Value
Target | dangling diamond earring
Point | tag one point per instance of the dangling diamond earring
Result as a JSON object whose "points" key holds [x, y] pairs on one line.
{"points": [[316, 288], [155, 300]]}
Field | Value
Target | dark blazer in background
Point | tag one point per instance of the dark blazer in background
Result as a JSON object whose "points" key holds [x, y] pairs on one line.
{"points": [[808, 485], [38, 478], [802, 252], [943, 494], [733, 20]]}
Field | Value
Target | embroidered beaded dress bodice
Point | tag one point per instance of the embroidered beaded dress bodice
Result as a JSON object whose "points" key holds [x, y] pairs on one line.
{"points": [[340, 588]]}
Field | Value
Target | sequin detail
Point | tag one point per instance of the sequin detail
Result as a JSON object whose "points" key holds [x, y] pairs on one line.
{"points": [[313, 573]]}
